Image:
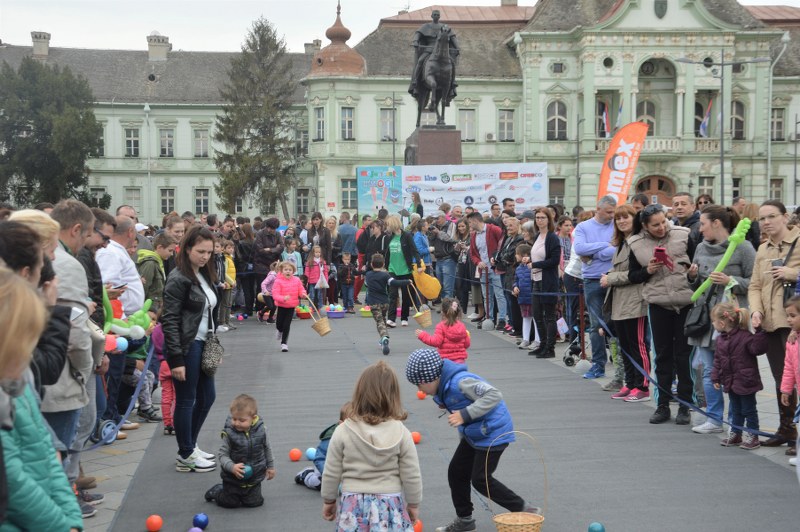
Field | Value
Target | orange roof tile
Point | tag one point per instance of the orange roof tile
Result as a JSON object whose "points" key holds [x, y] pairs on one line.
{"points": [[466, 15], [775, 14]]}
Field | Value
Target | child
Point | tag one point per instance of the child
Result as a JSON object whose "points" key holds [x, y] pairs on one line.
{"points": [[244, 443], [378, 282], [451, 337], [478, 410], [265, 296], [220, 266], [346, 276], [311, 477], [523, 289], [291, 254], [230, 280], [791, 365], [165, 378], [150, 266], [286, 291], [736, 371], [372, 456], [316, 268], [133, 372]]}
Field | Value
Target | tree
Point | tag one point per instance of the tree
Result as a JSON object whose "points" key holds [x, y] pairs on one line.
{"points": [[47, 131], [257, 124]]}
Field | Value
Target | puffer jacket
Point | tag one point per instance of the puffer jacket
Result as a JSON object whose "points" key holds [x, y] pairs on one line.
{"points": [[735, 363], [452, 341], [314, 270], [151, 268], [764, 294], [668, 289], [184, 307], [292, 287], [523, 281], [50, 353], [322, 448], [250, 448], [791, 369], [39, 494], [625, 294]]}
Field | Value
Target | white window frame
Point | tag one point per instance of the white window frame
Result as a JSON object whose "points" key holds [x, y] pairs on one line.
{"points": [[738, 123], [466, 124], [428, 118], [166, 142], [736, 187], [777, 124], [505, 125], [97, 193], [705, 185], [200, 143], [646, 111], [132, 140], [199, 200], [238, 206], [319, 123], [132, 196], [388, 132], [302, 201], [349, 194], [347, 116], [167, 200], [557, 117], [776, 189], [555, 186]]}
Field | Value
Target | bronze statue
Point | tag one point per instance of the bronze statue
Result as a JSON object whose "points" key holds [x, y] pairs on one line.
{"points": [[436, 54]]}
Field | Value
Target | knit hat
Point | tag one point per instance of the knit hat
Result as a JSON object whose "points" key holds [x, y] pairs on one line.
{"points": [[424, 365], [273, 223]]}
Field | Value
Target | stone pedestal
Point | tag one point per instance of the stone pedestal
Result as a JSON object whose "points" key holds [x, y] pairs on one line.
{"points": [[429, 145]]}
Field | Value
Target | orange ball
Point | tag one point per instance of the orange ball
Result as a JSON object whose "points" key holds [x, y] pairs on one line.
{"points": [[421, 395], [154, 523], [295, 455], [418, 525], [416, 436]]}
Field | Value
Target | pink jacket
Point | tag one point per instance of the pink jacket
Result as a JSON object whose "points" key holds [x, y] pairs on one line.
{"points": [[451, 340], [292, 287], [266, 284], [312, 271], [791, 368]]}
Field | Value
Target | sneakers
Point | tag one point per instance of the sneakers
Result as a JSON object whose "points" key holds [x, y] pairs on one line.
{"points": [[84, 497], [501, 324], [300, 477], [87, 510], [459, 524], [390, 323], [208, 456], [169, 430], [128, 425], [750, 442], [595, 372], [707, 428], [260, 315], [734, 439], [546, 353], [637, 396], [284, 348], [661, 415], [213, 492], [404, 323], [222, 329], [683, 417], [622, 393], [150, 415], [613, 386], [230, 326], [385, 345], [793, 462], [472, 316], [278, 335], [269, 320], [194, 463], [524, 344]]}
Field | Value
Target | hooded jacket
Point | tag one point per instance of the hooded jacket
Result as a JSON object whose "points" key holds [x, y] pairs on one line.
{"points": [[452, 341], [151, 268], [322, 449], [735, 362], [251, 448], [667, 289], [366, 458]]}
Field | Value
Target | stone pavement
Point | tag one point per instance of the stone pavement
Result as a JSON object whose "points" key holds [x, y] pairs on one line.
{"points": [[604, 461]]}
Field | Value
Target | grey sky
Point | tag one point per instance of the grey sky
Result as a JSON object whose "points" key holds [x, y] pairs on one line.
{"points": [[218, 25]]}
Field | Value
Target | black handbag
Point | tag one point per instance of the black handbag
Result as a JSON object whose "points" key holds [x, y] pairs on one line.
{"points": [[698, 320], [789, 287]]}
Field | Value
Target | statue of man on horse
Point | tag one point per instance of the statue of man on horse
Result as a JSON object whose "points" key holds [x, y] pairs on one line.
{"points": [[424, 41]]}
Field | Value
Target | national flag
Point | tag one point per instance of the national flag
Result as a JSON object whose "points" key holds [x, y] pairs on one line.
{"points": [[606, 125], [619, 115], [704, 123]]}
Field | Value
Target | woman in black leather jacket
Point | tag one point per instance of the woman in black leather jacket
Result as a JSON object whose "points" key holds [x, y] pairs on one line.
{"points": [[190, 298]]}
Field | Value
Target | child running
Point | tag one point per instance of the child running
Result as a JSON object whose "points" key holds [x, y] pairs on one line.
{"points": [[451, 336], [287, 292], [791, 366], [736, 371], [244, 445], [372, 456], [378, 282], [478, 410]]}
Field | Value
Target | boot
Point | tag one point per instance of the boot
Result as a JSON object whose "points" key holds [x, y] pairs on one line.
{"points": [[548, 352], [787, 432], [734, 439], [661, 415], [84, 482], [749, 442], [683, 417]]}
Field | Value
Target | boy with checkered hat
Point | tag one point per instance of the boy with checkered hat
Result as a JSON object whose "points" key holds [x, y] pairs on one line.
{"points": [[478, 410]]}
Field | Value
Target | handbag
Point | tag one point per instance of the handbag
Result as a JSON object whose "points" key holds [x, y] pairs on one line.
{"points": [[698, 320], [212, 351], [789, 287]]}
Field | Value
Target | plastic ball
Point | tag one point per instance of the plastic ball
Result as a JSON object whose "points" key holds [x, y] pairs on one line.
{"points": [[416, 436], [122, 344], [200, 521], [295, 455], [421, 395], [111, 343], [366, 307], [597, 527], [245, 316], [418, 525], [339, 308], [240, 317], [248, 471], [154, 523], [311, 453]]}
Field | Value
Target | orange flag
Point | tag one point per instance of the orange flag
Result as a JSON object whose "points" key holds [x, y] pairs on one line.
{"points": [[620, 162]]}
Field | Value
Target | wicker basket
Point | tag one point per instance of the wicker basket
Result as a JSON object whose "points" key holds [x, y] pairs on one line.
{"points": [[322, 325], [422, 317]]}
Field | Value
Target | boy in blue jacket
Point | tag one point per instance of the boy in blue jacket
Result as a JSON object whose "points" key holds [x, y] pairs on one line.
{"points": [[311, 477], [478, 410]]}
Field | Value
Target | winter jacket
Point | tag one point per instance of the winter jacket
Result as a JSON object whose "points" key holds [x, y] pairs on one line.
{"points": [[230, 270], [39, 494], [184, 307], [313, 270], [764, 294], [323, 240], [261, 258], [268, 282], [245, 254], [95, 281], [522, 280], [377, 245], [250, 448], [506, 255], [157, 338], [50, 353], [322, 448], [452, 341], [667, 289], [481, 406], [625, 294], [151, 269], [692, 223], [291, 287], [346, 274], [735, 363], [423, 247], [443, 241], [365, 458], [791, 369], [347, 233], [296, 259], [378, 283], [549, 266], [494, 235]]}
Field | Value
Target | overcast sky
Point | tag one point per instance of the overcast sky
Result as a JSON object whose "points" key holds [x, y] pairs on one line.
{"points": [[203, 25]]}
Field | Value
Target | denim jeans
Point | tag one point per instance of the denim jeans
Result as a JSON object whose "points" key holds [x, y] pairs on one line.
{"points": [[446, 273], [495, 292], [116, 368], [743, 411], [347, 295], [64, 425], [595, 295], [193, 400], [715, 403], [100, 397]]}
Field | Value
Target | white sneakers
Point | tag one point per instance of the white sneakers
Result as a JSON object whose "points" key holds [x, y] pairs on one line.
{"points": [[793, 461], [473, 316], [707, 428], [404, 323], [207, 456], [222, 329], [390, 323], [195, 463], [284, 348]]}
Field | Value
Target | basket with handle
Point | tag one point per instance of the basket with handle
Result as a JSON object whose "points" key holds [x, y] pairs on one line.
{"points": [[422, 317], [517, 521], [322, 325]]}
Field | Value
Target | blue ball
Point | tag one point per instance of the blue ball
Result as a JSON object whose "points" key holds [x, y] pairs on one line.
{"points": [[311, 453], [248, 472], [122, 344], [200, 521], [597, 527]]}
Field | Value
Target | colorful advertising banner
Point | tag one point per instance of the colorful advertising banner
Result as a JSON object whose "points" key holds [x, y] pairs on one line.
{"points": [[380, 187], [619, 165]]}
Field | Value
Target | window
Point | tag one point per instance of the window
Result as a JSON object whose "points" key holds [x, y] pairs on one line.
{"points": [[558, 68], [427, 119], [387, 125], [737, 68], [301, 142], [200, 200], [556, 121], [705, 185], [603, 120], [349, 194], [557, 190], [167, 137], [347, 123], [737, 120], [736, 189], [133, 197], [699, 115], [238, 206], [200, 143], [101, 149], [319, 123], [775, 189], [777, 125], [466, 123], [646, 112], [96, 194], [301, 202], [167, 200], [132, 142], [506, 126]]}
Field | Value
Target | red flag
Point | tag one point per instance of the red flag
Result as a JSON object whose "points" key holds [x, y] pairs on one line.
{"points": [[620, 161]]}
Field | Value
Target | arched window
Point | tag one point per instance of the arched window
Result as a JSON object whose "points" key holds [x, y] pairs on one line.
{"points": [[557, 121], [737, 120], [646, 112]]}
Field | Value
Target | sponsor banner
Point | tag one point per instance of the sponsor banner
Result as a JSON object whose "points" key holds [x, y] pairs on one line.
{"points": [[380, 187], [619, 165]]}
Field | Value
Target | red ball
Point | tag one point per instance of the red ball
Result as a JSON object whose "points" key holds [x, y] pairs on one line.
{"points": [[418, 525], [421, 395], [154, 523], [295, 455], [416, 436]]}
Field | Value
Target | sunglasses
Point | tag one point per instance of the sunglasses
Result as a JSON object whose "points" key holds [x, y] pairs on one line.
{"points": [[703, 202]]}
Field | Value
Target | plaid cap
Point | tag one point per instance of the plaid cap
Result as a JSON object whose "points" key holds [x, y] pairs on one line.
{"points": [[424, 365]]}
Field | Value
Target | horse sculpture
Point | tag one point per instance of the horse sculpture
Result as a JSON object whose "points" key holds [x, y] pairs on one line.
{"points": [[437, 77]]}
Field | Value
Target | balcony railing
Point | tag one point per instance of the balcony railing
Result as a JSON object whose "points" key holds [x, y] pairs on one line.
{"points": [[706, 145], [651, 145]]}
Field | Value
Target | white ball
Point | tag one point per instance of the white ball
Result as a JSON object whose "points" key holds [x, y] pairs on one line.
{"points": [[487, 325], [583, 366]]}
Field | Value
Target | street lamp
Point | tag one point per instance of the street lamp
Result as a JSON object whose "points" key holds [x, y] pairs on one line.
{"points": [[722, 64], [578, 156]]}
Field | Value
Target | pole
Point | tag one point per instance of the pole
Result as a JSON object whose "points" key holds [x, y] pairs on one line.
{"points": [[394, 135], [578, 158], [794, 183], [722, 129]]}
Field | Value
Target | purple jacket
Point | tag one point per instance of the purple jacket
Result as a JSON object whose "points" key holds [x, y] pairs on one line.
{"points": [[735, 364]]}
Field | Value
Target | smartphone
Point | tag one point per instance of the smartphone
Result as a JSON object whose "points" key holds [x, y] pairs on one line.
{"points": [[777, 263], [660, 254], [119, 286]]}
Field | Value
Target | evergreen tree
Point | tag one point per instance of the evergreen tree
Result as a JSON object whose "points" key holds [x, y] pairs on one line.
{"points": [[47, 131], [256, 125]]}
